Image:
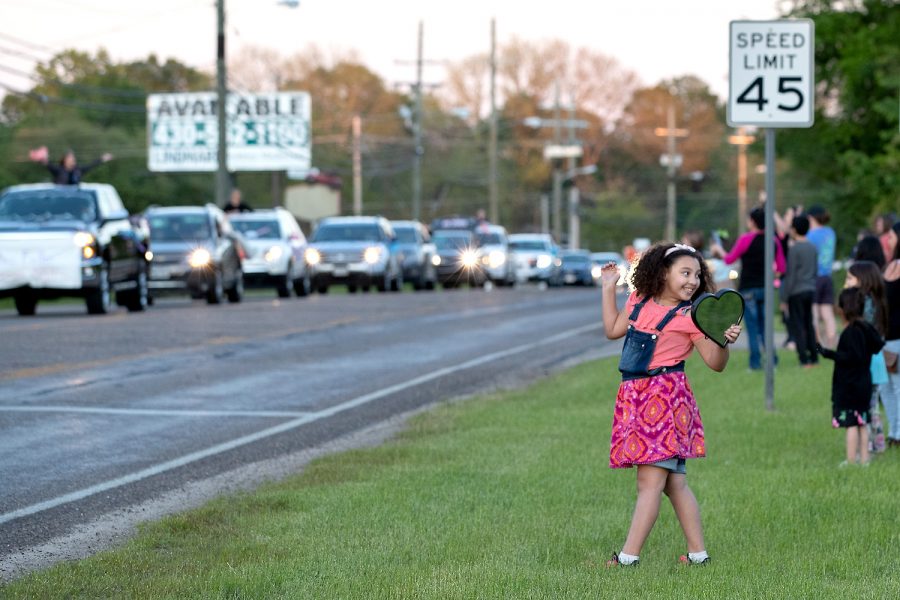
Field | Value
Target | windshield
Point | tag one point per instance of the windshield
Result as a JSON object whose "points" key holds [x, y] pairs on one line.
{"points": [[406, 235], [576, 259], [257, 230], [452, 241], [528, 245], [48, 205], [488, 239], [179, 228], [347, 233]]}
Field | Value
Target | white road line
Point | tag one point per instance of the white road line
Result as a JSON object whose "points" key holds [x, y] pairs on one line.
{"points": [[287, 426], [153, 412]]}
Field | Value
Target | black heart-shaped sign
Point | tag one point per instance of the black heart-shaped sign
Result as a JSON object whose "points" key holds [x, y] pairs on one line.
{"points": [[714, 313]]}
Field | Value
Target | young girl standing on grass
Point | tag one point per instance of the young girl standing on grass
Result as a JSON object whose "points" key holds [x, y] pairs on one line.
{"points": [[851, 382], [866, 275], [656, 424]]}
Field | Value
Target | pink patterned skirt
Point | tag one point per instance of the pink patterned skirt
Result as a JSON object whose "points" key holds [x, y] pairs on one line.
{"points": [[656, 418]]}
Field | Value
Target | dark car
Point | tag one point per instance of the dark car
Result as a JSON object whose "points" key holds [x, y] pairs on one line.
{"points": [[196, 252], [70, 240], [577, 267], [458, 260], [416, 253], [356, 251]]}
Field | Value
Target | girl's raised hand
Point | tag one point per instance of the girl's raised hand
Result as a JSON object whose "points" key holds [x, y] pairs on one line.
{"points": [[732, 333], [609, 273]]}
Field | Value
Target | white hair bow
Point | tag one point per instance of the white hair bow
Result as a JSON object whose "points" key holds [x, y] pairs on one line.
{"points": [[679, 247]]}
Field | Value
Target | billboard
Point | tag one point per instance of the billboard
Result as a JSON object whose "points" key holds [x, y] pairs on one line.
{"points": [[265, 132]]}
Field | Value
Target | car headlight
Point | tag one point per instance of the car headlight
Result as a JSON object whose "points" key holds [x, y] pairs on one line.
{"points": [[372, 255], [312, 256], [468, 258], [597, 271], [436, 260], [543, 261], [732, 274], [273, 253], [86, 242], [200, 257], [496, 259], [148, 255]]}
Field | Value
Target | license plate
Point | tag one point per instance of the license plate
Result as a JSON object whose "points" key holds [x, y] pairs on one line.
{"points": [[165, 272], [341, 272], [570, 278]]}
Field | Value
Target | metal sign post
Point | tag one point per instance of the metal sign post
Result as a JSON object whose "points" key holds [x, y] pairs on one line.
{"points": [[771, 84]]}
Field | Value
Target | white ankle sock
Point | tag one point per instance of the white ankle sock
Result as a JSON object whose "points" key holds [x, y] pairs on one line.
{"points": [[627, 559], [696, 557]]}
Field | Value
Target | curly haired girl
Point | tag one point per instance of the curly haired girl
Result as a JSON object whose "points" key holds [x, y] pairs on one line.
{"points": [[656, 423]]}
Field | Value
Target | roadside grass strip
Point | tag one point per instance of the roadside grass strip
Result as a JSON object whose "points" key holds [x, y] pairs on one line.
{"points": [[510, 496]]}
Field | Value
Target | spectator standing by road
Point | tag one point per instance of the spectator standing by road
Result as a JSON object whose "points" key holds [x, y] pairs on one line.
{"points": [[851, 382], [798, 288], [890, 392], [883, 227], [866, 275], [750, 248], [236, 203], [67, 171], [823, 238]]}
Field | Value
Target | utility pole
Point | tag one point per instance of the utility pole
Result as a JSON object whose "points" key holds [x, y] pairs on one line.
{"points": [[357, 165], [742, 140], [557, 172], [672, 162], [574, 223], [417, 131], [223, 184], [493, 200]]}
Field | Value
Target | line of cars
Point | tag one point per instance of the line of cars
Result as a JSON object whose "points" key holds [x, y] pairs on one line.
{"points": [[80, 241]]}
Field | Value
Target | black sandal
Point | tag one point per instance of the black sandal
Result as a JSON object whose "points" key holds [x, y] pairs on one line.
{"points": [[614, 562]]}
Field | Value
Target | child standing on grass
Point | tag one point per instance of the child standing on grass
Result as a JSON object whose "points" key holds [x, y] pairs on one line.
{"points": [[851, 382], [656, 424], [866, 275]]}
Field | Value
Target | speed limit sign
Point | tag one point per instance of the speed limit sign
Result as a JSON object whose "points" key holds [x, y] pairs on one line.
{"points": [[770, 77]]}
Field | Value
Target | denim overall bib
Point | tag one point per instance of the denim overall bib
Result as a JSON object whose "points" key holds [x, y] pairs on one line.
{"points": [[640, 345]]}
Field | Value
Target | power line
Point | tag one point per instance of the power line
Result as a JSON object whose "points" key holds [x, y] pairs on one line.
{"points": [[26, 43]]}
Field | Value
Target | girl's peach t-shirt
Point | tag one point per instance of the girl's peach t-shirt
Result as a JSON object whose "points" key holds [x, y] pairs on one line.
{"points": [[676, 341]]}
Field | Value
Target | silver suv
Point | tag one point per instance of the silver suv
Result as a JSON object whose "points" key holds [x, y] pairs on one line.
{"points": [[356, 251]]}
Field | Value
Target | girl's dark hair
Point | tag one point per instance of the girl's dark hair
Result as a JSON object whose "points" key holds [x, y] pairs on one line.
{"points": [[871, 284], [869, 249], [649, 276], [851, 303]]}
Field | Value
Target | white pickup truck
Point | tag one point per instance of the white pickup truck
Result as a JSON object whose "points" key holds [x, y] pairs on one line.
{"points": [[70, 240]]}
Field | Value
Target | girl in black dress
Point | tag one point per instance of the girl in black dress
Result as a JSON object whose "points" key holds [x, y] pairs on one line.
{"points": [[851, 382]]}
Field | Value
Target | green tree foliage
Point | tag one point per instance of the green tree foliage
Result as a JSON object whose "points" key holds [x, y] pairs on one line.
{"points": [[92, 105], [852, 154]]}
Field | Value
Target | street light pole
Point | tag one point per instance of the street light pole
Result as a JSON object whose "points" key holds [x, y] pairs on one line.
{"points": [[223, 184], [557, 172], [742, 140]]}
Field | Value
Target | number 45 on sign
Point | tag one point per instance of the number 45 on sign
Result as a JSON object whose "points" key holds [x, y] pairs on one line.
{"points": [[771, 73]]}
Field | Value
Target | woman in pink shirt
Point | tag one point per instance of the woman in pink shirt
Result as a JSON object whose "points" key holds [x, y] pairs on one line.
{"points": [[750, 248]]}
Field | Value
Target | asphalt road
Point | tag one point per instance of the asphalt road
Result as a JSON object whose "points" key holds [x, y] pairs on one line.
{"points": [[102, 414]]}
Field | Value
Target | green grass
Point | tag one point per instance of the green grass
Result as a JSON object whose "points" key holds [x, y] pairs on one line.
{"points": [[510, 496]]}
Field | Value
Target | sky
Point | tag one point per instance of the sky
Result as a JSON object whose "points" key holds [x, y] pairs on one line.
{"points": [[657, 39]]}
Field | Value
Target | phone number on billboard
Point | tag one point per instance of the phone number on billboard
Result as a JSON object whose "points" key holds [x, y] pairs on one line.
{"points": [[244, 133]]}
